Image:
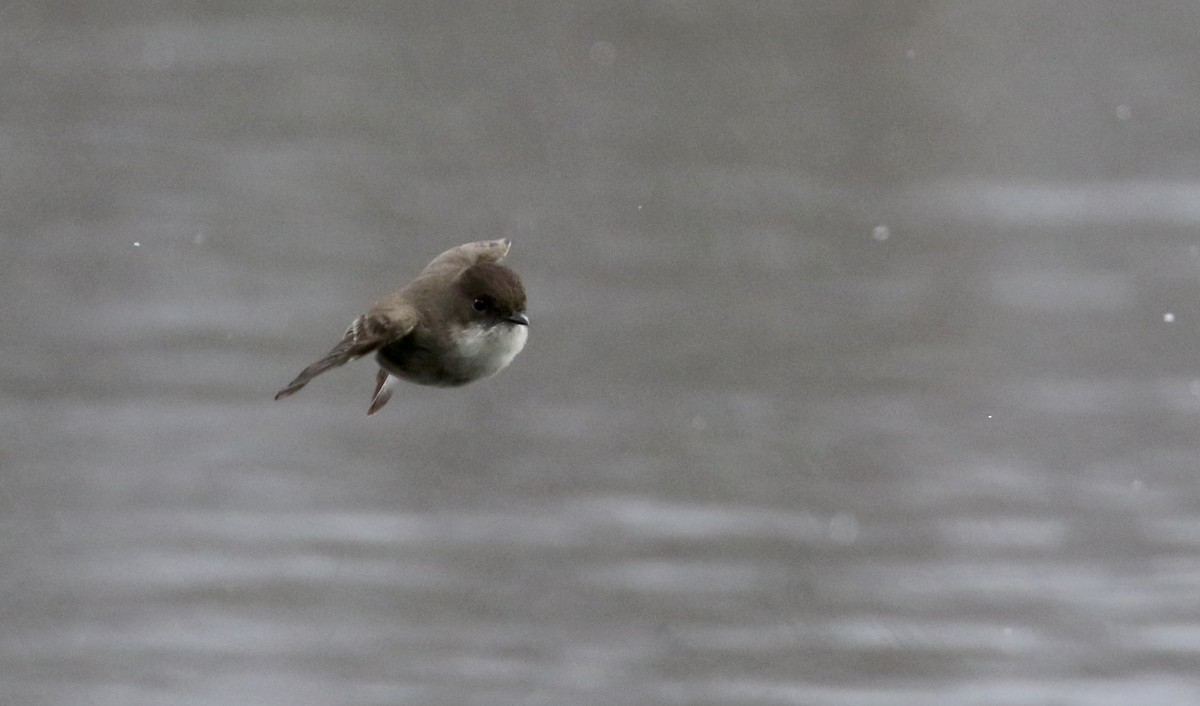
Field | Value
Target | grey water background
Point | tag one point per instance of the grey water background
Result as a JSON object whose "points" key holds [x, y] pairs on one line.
{"points": [[863, 367]]}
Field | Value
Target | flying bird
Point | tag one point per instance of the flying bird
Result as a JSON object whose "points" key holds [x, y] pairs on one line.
{"points": [[462, 319]]}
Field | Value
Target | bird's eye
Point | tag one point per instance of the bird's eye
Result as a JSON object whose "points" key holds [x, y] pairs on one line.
{"points": [[480, 304]]}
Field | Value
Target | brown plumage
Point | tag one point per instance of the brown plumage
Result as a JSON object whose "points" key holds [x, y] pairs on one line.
{"points": [[461, 319]]}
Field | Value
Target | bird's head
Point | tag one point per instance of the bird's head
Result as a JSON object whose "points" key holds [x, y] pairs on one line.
{"points": [[491, 294]]}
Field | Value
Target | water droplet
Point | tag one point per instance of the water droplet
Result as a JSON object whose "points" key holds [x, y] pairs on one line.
{"points": [[136, 244], [603, 53], [1169, 317], [881, 233], [1123, 112]]}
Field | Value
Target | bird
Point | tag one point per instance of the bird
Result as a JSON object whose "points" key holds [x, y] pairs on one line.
{"points": [[460, 320]]}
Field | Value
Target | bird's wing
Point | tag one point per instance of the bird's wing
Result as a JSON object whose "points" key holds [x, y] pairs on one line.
{"points": [[463, 256], [387, 321], [385, 385]]}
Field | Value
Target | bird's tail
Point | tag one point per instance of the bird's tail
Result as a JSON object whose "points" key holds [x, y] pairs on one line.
{"points": [[350, 348]]}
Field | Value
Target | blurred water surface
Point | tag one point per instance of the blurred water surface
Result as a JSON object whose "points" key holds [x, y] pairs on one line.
{"points": [[862, 368]]}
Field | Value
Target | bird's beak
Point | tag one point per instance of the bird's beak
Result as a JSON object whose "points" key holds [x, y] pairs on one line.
{"points": [[519, 318]]}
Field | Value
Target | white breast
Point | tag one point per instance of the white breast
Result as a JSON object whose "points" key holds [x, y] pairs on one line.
{"points": [[487, 351]]}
